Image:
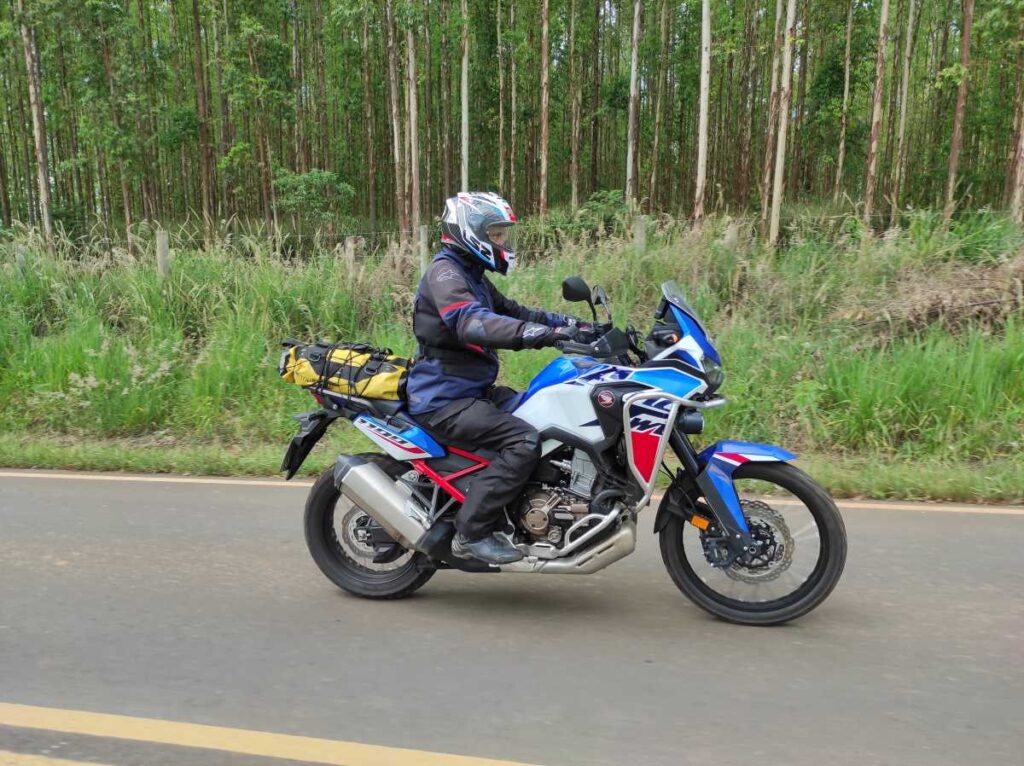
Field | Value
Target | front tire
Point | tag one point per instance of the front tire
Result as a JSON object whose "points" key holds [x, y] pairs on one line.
{"points": [[328, 512], [747, 595]]}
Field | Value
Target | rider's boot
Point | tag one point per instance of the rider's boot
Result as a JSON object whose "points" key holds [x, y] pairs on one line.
{"points": [[492, 549]]}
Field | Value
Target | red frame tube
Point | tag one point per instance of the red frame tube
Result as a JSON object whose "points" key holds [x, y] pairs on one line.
{"points": [[445, 482]]}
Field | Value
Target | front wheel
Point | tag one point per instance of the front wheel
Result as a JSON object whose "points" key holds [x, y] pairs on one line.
{"points": [[802, 550], [335, 535]]}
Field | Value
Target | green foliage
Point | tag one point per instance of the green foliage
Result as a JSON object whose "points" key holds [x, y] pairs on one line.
{"points": [[319, 194], [100, 348]]}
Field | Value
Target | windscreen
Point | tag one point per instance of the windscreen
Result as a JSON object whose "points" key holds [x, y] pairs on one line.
{"points": [[673, 293]]}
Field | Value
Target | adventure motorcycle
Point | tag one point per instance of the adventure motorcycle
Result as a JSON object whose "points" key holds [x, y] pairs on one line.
{"points": [[744, 534]]}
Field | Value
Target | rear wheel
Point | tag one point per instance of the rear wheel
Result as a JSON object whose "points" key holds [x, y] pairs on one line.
{"points": [[336, 534], [802, 550]]}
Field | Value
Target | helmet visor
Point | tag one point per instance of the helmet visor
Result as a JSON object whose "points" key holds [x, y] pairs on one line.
{"points": [[503, 235]]}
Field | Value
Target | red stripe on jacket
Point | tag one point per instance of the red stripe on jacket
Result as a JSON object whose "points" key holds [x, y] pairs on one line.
{"points": [[453, 306]]}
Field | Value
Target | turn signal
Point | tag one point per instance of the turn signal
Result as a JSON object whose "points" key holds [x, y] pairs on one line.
{"points": [[699, 521]]}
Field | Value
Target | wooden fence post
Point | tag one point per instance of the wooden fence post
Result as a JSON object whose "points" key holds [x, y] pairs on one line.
{"points": [[163, 255], [640, 234], [424, 248], [350, 256]]}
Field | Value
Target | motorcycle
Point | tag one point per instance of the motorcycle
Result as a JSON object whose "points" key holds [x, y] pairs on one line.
{"points": [[743, 533]]}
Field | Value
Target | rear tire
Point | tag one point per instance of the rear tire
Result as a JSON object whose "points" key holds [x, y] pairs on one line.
{"points": [[338, 564], [819, 584]]}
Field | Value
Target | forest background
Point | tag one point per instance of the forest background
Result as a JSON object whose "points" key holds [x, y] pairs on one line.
{"points": [[841, 185]]}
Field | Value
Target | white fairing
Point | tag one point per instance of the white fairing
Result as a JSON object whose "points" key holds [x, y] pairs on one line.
{"points": [[566, 406], [688, 344]]}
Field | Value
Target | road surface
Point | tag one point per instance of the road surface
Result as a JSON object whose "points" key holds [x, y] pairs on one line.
{"points": [[131, 611]]}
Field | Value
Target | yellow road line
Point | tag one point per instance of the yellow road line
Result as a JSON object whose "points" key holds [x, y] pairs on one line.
{"points": [[242, 741], [8, 758]]}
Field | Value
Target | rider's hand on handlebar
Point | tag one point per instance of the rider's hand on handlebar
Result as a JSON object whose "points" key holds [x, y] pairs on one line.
{"points": [[561, 335], [591, 331]]}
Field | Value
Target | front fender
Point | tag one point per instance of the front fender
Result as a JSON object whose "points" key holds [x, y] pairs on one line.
{"points": [[714, 483]]}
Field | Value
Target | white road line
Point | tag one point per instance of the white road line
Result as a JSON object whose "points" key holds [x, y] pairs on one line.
{"points": [[922, 507], [153, 479]]}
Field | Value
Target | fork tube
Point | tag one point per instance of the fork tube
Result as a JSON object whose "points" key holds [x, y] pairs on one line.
{"points": [[685, 452]]}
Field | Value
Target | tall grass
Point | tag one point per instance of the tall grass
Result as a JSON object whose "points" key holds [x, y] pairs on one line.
{"points": [[96, 346]]}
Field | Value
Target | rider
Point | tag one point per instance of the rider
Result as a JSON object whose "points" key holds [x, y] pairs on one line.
{"points": [[459, 318]]}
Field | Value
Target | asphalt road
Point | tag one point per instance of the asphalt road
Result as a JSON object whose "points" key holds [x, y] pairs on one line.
{"points": [[199, 603]]}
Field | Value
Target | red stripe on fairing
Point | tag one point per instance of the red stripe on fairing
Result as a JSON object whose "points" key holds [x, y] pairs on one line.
{"points": [[735, 457], [414, 449], [453, 306], [645, 452]]}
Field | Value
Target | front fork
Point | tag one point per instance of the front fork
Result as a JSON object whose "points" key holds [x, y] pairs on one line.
{"points": [[718, 491]]}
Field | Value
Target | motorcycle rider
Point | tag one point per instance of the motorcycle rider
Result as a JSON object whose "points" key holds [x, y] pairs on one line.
{"points": [[459, 318]]}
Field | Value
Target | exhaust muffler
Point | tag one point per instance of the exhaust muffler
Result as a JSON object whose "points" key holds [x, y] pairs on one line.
{"points": [[376, 493]]}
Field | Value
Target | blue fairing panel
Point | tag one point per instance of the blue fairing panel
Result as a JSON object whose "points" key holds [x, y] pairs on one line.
{"points": [[751, 449], [692, 327], [559, 370], [422, 439], [668, 379], [416, 435], [722, 458]]}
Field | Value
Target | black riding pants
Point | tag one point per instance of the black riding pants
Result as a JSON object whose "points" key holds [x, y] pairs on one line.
{"points": [[479, 425]]}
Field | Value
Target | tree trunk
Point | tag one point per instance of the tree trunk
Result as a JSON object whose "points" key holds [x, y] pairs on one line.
{"points": [[126, 199], [371, 163], [780, 147], [702, 130], [297, 86], [513, 107], [1016, 156], [545, 88], [795, 138], [876, 115], [225, 124], [263, 152], [746, 111], [321, 88], [771, 123], [205, 150], [901, 135], [501, 102], [659, 107], [576, 108], [5, 197], [595, 84], [35, 97], [634, 105], [961, 105], [1017, 192], [414, 141], [444, 145], [396, 125], [846, 103], [464, 182]]}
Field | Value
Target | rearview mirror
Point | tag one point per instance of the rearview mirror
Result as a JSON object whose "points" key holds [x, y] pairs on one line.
{"points": [[574, 289]]}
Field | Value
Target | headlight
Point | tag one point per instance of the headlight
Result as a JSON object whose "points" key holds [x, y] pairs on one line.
{"points": [[715, 375]]}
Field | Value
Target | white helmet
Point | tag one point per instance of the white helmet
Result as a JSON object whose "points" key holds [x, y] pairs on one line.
{"points": [[480, 225]]}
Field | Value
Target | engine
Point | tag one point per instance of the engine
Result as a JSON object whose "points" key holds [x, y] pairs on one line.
{"points": [[547, 514]]}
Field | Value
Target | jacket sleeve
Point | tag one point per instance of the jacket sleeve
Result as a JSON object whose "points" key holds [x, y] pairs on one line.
{"points": [[508, 307], [474, 324]]}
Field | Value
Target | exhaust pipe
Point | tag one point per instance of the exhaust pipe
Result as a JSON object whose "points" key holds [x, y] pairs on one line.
{"points": [[367, 486], [587, 561]]}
